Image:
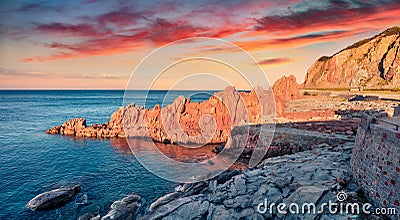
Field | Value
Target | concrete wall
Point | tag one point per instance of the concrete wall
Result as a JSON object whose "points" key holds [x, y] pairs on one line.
{"points": [[375, 163]]}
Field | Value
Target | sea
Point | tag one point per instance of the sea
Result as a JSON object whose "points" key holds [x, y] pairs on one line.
{"points": [[33, 162]]}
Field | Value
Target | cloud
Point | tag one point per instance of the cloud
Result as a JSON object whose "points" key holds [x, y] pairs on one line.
{"points": [[275, 61], [71, 30], [296, 41], [336, 15], [14, 73], [162, 31], [102, 41], [104, 45], [252, 25], [120, 18], [21, 73]]}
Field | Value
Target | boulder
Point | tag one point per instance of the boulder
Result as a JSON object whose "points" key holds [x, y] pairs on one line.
{"points": [[124, 209], [53, 198], [164, 200], [89, 216]]}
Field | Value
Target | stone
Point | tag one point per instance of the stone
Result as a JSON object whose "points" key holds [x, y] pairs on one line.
{"points": [[240, 184], [170, 207], [218, 212], [123, 209], [53, 198], [164, 200], [195, 209], [306, 194], [226, 175], [89, 216]]}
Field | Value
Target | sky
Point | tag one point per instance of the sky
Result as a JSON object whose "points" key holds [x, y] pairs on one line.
{"points": [[91, 44]]}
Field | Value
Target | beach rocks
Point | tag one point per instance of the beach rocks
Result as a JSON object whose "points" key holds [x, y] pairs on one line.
{"points": [[164, 200], [54, 198], [306, 177], [123, 209]]}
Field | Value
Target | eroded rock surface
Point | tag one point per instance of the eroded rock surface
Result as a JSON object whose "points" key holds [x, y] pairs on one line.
{"points": [[311, 176], [371, 63], [123, 209], [183, 121]]}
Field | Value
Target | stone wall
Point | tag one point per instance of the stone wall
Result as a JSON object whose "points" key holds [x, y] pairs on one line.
{"points": [[282, 136], [375, 163], [396, 110]]}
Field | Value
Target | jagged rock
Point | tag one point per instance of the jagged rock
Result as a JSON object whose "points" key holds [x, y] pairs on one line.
{"points": [[306, 194], [89, 216], [170, 207], [164, 200], [300, 178], [285, 89], [183, 121], [123, 209], [53, 198], [372, 63], [226, 175]]}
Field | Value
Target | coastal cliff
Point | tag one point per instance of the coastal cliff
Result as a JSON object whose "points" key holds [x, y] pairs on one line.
{"points": [[372, 63], [183, 121]]}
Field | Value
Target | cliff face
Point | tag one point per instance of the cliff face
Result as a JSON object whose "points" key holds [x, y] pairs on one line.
{"points": [[372, 63]]}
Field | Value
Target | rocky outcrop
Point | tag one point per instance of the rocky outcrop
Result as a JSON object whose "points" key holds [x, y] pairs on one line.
{"points": [[183, 121], [285, 89], [125, 208], [372, 63], [186, 122], [54, 198]]}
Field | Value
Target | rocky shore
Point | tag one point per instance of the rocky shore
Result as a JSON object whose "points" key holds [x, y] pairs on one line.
{"points": [[315, 176], [307, 167]]}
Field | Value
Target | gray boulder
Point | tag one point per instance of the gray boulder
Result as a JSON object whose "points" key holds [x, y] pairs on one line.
{"points": [[53, 198], [123, 209]]}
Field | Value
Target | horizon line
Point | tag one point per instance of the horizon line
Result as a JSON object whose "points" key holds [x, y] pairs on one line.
{"points": [[111, 89]]}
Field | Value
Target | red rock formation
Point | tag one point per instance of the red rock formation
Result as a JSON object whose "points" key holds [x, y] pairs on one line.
{"points": [[285, 89], [207, 122]]}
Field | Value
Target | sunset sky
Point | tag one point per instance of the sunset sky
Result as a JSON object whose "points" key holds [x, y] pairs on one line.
{"points": [[98, 44]]}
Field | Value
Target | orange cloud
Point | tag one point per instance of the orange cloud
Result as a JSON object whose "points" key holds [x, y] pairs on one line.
{"points": [[275, 61]]}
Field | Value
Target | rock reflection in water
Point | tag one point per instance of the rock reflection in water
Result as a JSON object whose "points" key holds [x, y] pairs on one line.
{"points": [[176, 152], [174, 162]]}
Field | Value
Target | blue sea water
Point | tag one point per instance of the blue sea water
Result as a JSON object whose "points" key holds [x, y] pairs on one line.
{"points": [[33, 162]]}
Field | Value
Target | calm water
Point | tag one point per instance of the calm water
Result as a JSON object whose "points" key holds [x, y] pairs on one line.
{"points": [[33, 162]]}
